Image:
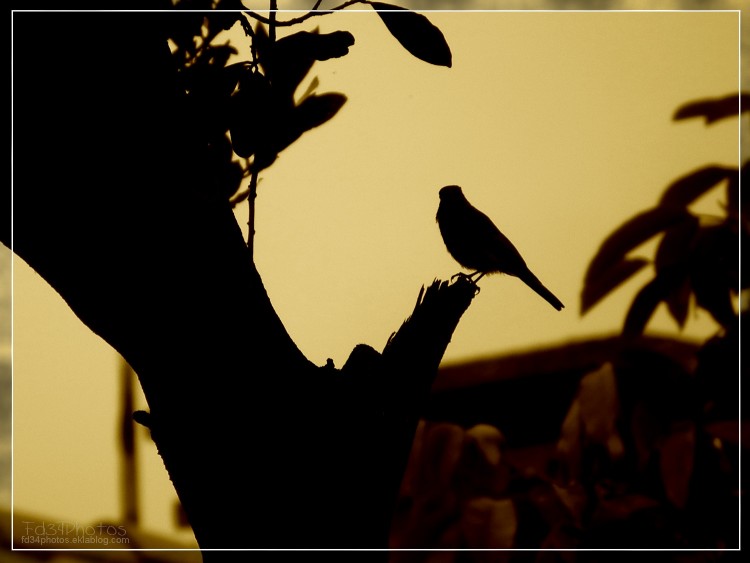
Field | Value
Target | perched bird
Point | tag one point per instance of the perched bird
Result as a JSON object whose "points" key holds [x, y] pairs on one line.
{"points": [[477, 244]]}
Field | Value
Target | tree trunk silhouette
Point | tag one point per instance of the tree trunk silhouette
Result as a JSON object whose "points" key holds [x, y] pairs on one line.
{"points": [[264, 448]]}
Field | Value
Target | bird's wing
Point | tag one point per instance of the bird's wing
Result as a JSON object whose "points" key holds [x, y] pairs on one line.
{"points": [[495, 245]]}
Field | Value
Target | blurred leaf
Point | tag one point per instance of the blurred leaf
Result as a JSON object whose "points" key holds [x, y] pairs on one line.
{"points": [[690, 187], [488, 441], [677, 453], [441, 453], [573, 497], [314, 83], [312, 45], [714, 109], [733, 193], [570, 443], [489, 523], [715, 271], [631, 234], [645, 303], [676, 245], [315, 110], [292, 57], [239, 197], [678, 302], [716, 374], [710, 295], [231, 76], [600, 408], [733, 197], [286, 73], [591, 423], [673, 257], [261, 41], [483, 469], [546, 500], [717, 248], [290, 123], [330, 45], [415, 33], [646, 430], [595, 289]]}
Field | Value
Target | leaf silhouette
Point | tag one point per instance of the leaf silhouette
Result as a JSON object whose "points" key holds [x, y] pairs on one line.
{"points": [[677, 454], [715, 271], [289, 59], [596, 288], [714, 109], [713, 296], [631, 234], [331, 45], [690, 187], [676, 246], [415, 33], [645, 303], [678, 301], [733, 195], [674, 254], [315, 110]]}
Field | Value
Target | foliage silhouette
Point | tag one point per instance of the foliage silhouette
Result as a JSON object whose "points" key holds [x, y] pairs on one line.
{"points": [[675, 481], [415, 33], [697, 256], [253, 100], [713, 109]]}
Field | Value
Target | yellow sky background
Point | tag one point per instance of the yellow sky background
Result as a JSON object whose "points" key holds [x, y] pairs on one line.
{"points": [[557, 125]]}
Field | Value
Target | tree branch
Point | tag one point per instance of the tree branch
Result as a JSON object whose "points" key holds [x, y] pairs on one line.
{"points": [[294, 21], [272, 21]]}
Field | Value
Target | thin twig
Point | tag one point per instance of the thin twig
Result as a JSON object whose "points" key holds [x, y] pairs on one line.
{"points": [[247, 28], [253, 188], [307, 16], [272, 17]]}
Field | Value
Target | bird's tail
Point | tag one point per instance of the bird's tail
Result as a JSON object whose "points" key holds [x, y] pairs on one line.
{"points": [[533, 282]]}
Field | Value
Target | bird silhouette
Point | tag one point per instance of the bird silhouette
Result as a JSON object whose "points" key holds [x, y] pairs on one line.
{"points": [[477, 244]]}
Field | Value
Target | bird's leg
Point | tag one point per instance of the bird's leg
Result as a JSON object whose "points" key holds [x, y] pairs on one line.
{"points": [[462, 275], [479, 277], [468, 277]]}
